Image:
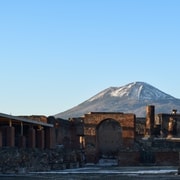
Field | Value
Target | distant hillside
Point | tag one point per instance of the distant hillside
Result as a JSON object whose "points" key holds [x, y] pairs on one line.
{"points": [[131, 98]]}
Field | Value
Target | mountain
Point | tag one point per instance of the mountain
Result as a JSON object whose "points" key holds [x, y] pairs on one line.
{"points": [[131, 98]]}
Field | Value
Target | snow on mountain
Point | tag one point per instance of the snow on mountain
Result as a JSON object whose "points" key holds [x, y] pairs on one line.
{"points": [[100, 95], [135, 90], [131, 98]]}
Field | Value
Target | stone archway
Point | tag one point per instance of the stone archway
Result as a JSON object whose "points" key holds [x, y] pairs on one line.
{"points": [[109, 138]]}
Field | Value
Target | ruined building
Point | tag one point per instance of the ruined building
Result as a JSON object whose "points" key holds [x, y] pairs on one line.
{"points": [[123, 138]]}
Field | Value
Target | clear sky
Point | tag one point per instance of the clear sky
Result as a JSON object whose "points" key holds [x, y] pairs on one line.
{"points": [[55, 54]]}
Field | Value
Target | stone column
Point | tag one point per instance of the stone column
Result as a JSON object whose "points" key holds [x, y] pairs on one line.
{"points": [[22, 138], [10, 134], [40, 138], [31, 138], [81, 142], [149, 121], [22, 141], [172, 127], [50, 138]]}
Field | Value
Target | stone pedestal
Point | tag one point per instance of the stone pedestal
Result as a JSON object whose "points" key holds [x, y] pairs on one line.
{"points": [[31, 138], [10, 136]]}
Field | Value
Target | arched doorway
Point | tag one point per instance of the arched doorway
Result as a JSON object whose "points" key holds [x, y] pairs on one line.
{"points": [[109, 138]]}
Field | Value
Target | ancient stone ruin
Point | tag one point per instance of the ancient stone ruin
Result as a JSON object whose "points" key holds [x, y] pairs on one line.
{"points": [[39, 143]]}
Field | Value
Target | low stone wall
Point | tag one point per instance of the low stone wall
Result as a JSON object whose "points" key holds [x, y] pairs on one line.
{"points": [[167, 158], [14, 160], [129, 158]]}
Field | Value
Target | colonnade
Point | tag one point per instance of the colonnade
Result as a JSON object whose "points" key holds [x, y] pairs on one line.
{"points": [[26, 135]]}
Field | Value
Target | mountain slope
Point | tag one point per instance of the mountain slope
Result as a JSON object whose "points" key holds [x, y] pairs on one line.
{"points": [[131, 98]]}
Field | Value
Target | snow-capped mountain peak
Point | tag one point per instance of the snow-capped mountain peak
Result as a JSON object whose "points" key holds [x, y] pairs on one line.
{"points": [[131, 98], [135, 90]]}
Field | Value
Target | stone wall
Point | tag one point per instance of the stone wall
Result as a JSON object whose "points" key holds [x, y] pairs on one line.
{"points": [[96, 125], [63, 132], [13, 160], [129, 158], [167, 158]]}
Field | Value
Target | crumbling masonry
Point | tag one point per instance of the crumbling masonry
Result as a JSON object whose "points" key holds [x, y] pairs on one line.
{"points": [[124, 138]]}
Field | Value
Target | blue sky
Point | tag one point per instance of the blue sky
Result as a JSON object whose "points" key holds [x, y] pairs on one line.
{"points": [[57, 54]]}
